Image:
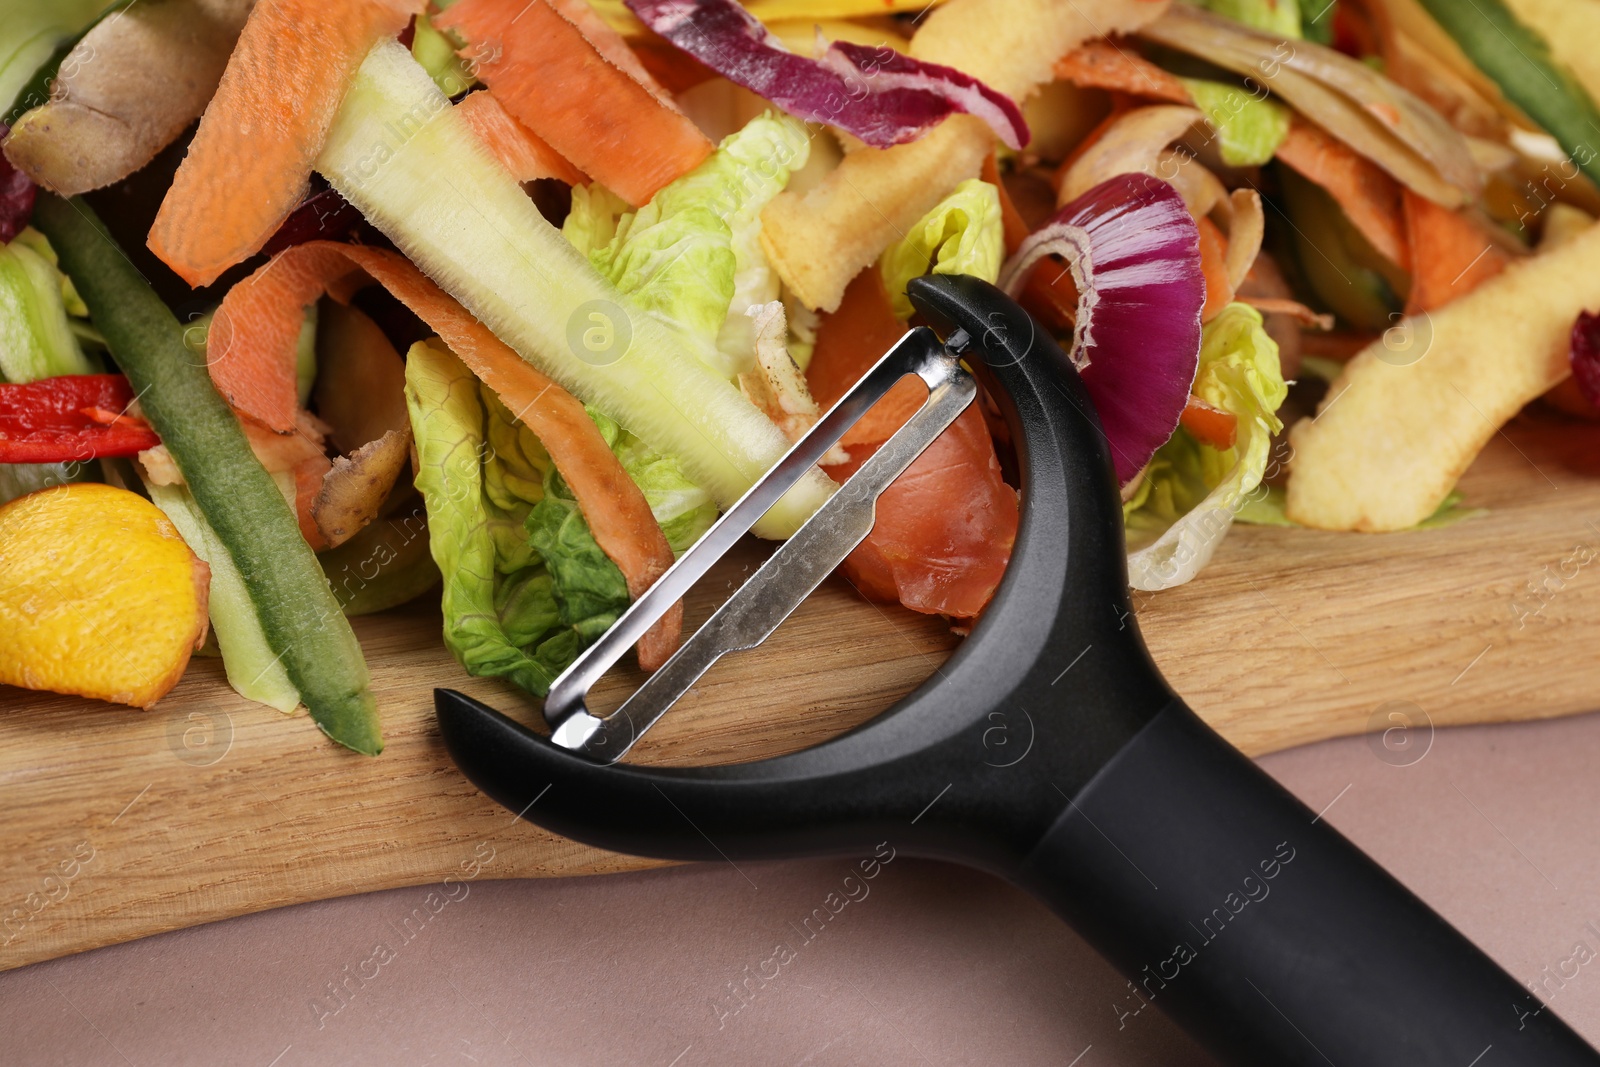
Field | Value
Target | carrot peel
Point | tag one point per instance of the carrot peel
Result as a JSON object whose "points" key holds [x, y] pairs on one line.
{"points": [[619, 517], [1369, 197], [519, 149], [1452, 253], [1214, 266], [1209, 425], [945, 527], [572, 81], [249, 163]]}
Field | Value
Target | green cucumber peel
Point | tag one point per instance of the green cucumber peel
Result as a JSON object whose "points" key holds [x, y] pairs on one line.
{"points": [[253, 668], [1519, 60], [298, 612]]}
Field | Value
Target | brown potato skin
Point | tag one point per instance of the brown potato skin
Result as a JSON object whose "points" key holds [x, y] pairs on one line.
{"points": [[125, 92]]}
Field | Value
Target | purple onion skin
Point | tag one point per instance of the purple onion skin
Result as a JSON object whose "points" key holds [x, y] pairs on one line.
{"points": [[882, 97], [1584, 355], [17, 193], [1137, 341]]}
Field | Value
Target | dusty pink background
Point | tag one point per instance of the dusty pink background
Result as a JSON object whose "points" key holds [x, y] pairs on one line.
{"points": [[1495, 827]]}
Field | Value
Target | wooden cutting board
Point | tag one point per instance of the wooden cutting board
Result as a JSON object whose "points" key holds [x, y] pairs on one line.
{"points": [[121, 823]]}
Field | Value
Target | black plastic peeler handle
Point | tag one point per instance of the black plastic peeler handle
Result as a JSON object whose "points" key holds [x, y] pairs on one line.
{"points": [[1226, 902]]}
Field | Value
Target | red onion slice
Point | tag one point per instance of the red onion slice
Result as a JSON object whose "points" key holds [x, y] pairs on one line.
{"points": [[1584, 356], [879, 95], [17, 193], [1134, 252]]}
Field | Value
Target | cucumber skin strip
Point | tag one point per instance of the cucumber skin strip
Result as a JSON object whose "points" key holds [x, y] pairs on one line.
{"points": [[298, 611], [1486, 30], [252, 669]]}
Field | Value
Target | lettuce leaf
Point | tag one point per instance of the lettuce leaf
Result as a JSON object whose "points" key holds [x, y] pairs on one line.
{"points": [[36, 336], [1249, 128], [1191, 492], [592, 221], [683, 510], [692, 256], [525, 584], [588, 589], [1281, 17], [963, 234]]}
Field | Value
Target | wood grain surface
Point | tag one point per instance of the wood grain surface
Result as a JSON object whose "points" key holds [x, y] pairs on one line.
{"points": [[120, 823]]}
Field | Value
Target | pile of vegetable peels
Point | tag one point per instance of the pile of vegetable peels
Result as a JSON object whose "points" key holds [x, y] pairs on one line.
{"points": [[502, 303]]}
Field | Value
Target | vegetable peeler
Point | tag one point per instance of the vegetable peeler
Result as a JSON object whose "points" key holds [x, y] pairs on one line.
{"points": [[1223, 899]]}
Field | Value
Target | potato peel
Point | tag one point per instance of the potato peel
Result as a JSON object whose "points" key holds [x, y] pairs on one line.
{"points": [[354, 490], [818, 241], [126, 91], [1412, 410], [99, 595]]}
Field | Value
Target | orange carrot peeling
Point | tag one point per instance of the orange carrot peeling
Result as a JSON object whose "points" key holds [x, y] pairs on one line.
{"points": [[259, 320], [849, 341], [572, 80], [1214, 265], [518, 148], [260, 316], [1209, 425], [1103, 65], [249, 163], [1369, 197], [1011, 220], [1454, 253], [945, 528]]}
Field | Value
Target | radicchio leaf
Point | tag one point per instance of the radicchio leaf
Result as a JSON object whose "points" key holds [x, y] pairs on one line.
{"points": [[1584, 355], [879, 95], [322, 216], [17, 192], [1134, 252]]}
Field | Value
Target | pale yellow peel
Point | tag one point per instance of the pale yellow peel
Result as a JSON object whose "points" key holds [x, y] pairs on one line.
{"points": [[820, 240], [1392, 436], [99, 595]]}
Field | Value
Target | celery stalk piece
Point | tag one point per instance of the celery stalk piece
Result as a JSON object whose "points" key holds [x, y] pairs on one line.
{"points": [[254, 671], [400, 154]]}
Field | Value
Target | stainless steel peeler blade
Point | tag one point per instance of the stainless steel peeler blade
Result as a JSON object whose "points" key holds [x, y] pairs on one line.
{"points": [[787, 577]]}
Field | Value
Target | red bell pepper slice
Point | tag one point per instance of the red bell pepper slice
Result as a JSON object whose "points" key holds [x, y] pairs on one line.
{"points": [[73, 417], [1210, 425]]}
